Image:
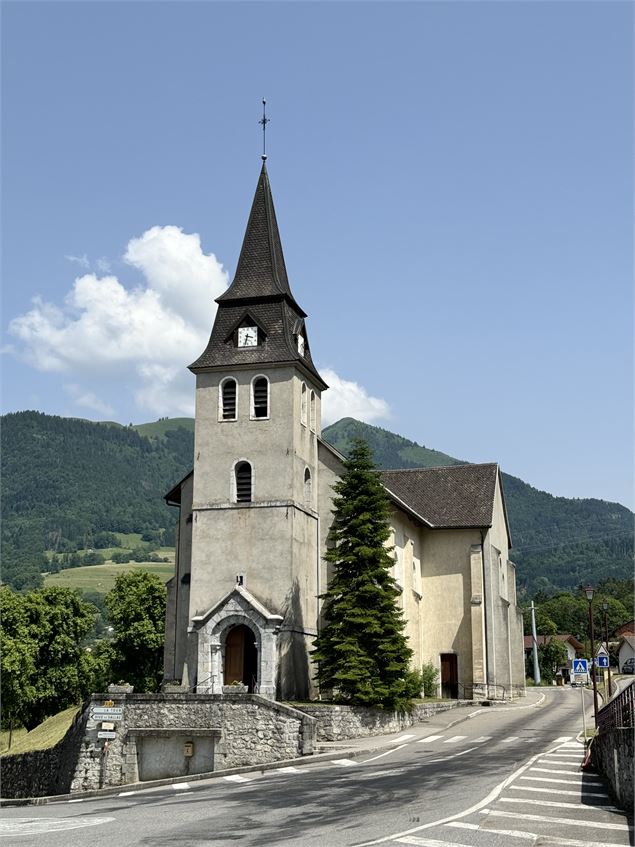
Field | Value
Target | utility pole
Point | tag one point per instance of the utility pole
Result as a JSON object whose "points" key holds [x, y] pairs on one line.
{"points": [[534, 639]]}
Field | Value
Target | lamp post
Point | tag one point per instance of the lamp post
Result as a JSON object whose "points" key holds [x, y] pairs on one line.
{"points": [[605, 607], [589, 596]]}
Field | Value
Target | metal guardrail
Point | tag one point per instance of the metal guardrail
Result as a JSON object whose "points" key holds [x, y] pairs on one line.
{"points": [[618, 712]]}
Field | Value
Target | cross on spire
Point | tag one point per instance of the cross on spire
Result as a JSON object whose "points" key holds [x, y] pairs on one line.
{"points": [[264, 120]]}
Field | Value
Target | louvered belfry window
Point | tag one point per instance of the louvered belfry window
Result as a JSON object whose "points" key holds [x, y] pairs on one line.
{"points": [[261, 397], [243, 482], [229, 400]]}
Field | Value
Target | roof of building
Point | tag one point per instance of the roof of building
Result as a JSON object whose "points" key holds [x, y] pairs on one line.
{"points": [[259, 296], [458, 496], [545, 639], [627, 628]]}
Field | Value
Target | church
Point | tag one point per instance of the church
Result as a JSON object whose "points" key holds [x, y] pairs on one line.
{"points": [[254, 516]]}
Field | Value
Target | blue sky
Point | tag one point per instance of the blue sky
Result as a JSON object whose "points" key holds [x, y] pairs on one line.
{"points": [[453, 183]]}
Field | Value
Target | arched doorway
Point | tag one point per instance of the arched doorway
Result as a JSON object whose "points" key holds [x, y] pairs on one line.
{"points": [[241, 657]]}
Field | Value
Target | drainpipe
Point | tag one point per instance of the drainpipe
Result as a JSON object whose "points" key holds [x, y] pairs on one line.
{"points": [[487, 668]]}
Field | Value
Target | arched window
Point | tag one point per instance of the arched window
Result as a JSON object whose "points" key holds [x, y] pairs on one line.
{"points": [[303, 405], [242, 473], [312, 404], [307, 486], [228, 392], [260, 397]]}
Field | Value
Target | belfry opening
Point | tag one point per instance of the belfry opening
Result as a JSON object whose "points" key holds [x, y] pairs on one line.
{"points": [[241, 658]]}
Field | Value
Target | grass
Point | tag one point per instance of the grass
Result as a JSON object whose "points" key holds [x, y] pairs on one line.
{"points": [[46, 735], [157, 429], [101, 578]]}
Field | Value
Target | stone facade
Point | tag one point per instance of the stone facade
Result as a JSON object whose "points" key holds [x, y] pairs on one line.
{"points": [[338, 723], [613, 753]]}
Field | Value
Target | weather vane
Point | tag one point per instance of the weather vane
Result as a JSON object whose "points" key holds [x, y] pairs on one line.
{"points": [[264, 120]]}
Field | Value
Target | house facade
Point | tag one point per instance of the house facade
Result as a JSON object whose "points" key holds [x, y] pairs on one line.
{"points": [[255, 513]]}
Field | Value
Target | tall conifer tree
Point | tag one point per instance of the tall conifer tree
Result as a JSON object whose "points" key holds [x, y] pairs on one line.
{"points": [[362, 652]]}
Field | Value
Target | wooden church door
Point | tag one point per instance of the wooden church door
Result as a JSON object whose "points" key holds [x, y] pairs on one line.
{"points": [[449, 676], [240, 657]]}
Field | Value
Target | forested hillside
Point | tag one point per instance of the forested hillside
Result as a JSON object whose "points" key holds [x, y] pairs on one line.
{"points": [[558, 542], [65, 480]]}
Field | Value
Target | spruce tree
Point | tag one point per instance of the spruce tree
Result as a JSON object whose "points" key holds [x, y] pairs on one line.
{"points": [[362, 652]]}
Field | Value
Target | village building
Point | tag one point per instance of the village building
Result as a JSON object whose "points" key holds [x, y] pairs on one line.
{"points": [[255, 512]]}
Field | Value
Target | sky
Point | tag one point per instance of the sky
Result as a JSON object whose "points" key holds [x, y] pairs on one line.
{"points": [[453, 183]]}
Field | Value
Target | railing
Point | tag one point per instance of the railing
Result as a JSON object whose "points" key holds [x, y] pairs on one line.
{"points": [[618, 712]]}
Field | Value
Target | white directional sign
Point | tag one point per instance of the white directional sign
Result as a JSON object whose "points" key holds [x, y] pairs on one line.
{"points": [[106, 735], [580, 666], [106, 713]]}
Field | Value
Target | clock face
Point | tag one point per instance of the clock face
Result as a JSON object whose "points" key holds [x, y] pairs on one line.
{"points": [[301, 345], [248, 336]]}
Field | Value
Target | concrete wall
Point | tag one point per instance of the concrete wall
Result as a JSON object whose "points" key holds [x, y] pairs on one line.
{"points": [[337, 723], [613, 755]]}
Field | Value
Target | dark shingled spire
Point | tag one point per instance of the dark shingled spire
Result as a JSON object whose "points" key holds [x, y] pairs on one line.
{"points": [[259, 295], [261, 271]]}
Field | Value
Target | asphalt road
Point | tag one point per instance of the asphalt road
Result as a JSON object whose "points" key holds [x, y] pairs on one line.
{"points": [[507, 775]]}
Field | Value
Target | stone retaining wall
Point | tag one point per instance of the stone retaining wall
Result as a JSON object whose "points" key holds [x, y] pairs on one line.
{"points": [[337, 723], [44, 772], [612, 754]]}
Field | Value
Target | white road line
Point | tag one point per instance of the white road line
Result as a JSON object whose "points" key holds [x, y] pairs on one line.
{"points": [[182, 786], [481, 739], [562, 754], [455, 739], [455, 756], [401, 738], [551, 770], [427, 842], [622, 827], [236, 777], [42, 826], [509, 740], [347, 763], [579, 781], [554, 804], [80, 800], [563, 738], [513, 833], [291, 770], [429, 738], [548, 760], [125, 793], [553, 790], [380, 756]]}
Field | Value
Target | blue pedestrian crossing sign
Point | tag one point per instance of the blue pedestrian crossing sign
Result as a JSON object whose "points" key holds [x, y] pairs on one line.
{"points": [[580, 666], [602, 661]]}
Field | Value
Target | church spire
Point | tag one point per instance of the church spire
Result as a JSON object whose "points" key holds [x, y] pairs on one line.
{"points": [[261, 270]]}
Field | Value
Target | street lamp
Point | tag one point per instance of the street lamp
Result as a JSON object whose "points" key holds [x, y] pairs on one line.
{"points": [[589, 596], [605, 607]]}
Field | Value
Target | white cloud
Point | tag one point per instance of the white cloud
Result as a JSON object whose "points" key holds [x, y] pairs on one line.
{"points": [[102, 265], [88, 400], [349, 399], [79, 260], [144, 337]]}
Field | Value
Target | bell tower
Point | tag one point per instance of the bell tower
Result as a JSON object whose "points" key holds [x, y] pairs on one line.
{"points": [[255, 517]]}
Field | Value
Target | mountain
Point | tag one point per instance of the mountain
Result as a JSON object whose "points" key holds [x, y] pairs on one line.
{"points": [[65, 479], [558, 542]]}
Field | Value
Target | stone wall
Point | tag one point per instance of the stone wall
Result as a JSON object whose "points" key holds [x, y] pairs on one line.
{"points": [[44, 772], [612, 754], [337, 723]]}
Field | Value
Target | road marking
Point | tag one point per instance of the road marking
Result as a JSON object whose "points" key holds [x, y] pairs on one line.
{"points": [[553, 804], [40, 826], [622, 827], [347, 763], [553, 790], [579, 781], [183, 786], [510, 739], [401, 738], [380, 756], [563, 738], [562, 754], [550, 770], [481, 739], [125, 793], [291, 770], [427, 842], [455, 739], [429, 738], [455, 756], [549, 761], [236, 777], [513, 833], [79, 800]]}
